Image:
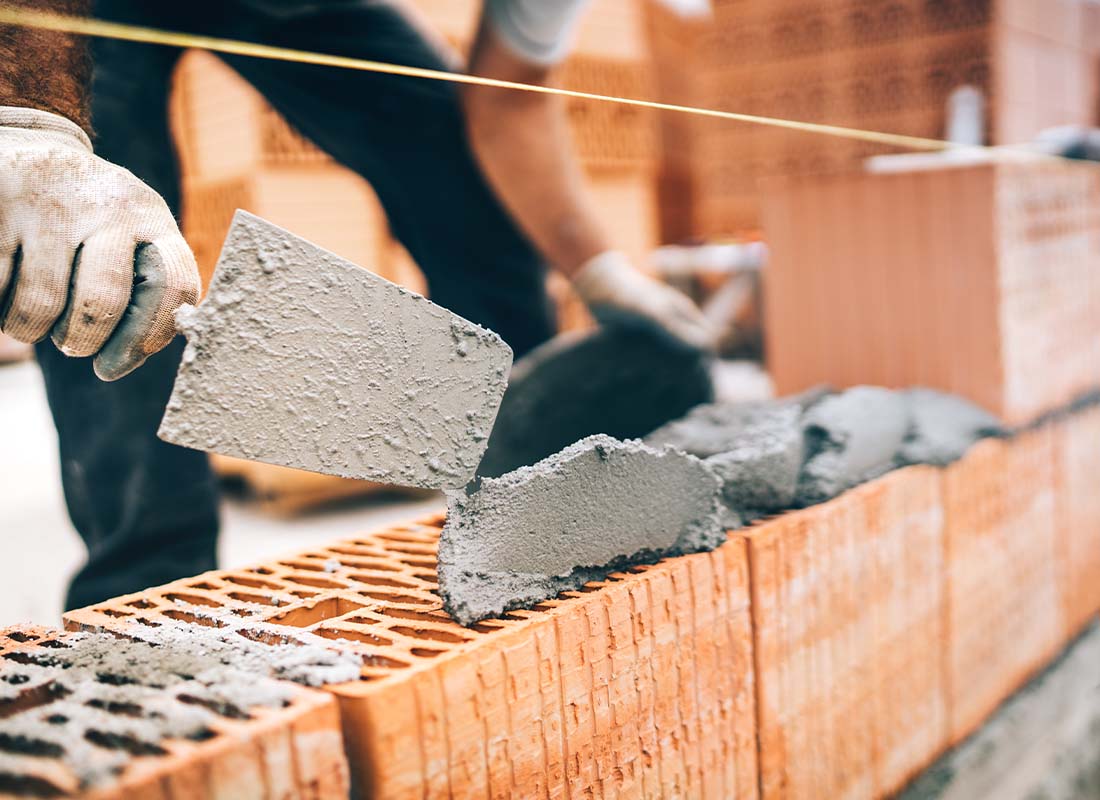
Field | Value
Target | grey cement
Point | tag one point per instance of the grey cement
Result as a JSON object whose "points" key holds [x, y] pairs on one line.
{"points": [[299, 358], [850, 437], [619, 381], [1042, 744], [760, 469], [111, 698], [597, 506], [942, 427]]}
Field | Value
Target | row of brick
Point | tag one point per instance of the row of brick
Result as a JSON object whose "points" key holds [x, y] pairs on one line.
{"points": [[832, 651]]}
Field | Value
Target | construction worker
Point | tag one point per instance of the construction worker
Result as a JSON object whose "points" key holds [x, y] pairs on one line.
{"points": [[478, 184]]}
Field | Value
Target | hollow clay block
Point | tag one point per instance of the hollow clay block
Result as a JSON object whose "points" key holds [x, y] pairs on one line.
{"points": [[850, 437], [299, 358], [759, 471], [597, 506], [942, 427]]}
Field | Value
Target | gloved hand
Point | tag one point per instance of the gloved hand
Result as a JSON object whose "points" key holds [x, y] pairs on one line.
{"points": [[1069, 141], [88, 252], [615, 292]]}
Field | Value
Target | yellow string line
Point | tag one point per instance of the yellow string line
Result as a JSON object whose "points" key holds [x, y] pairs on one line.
{"points": [[88, 26]]}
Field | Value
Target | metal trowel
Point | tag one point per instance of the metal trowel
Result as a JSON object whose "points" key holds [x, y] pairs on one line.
{"points": [[300, 358]]}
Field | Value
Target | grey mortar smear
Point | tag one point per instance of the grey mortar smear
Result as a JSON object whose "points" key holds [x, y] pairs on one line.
{"points": [[172, 685], [299, 358], [942, 427], [597, 506]]}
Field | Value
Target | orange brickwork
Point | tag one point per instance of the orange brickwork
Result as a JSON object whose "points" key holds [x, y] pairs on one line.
{"points": [[1077, 474], [640, 686], [1004, 612], [847, 612], [977, 280], [289, 752]]}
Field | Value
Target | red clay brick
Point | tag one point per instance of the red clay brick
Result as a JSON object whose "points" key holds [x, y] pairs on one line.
{"points": [[975, 280], [617, 690], [289, 752], [1004, 614], [832, 587], [1077, 452]]}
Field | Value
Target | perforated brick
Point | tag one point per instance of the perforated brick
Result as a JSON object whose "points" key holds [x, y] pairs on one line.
{"points": [[640, 686], [1077, 453], [66, 731], [1004, 613], [847, 613]]}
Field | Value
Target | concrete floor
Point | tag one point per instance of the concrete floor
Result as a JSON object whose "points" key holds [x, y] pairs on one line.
{"points": [[42, 549]]}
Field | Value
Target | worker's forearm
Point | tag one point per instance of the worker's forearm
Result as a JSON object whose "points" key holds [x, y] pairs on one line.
{"points": [[45, 70], [522, 143]]}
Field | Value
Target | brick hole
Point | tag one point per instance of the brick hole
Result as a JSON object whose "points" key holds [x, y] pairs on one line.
{"points": [[57, 719], [516, 615], [192, 599], [113, 679], [353, 636], [19, 636], [544, 606], [318, 583], [303, 593], [410, 613], [303, 565], [113, 612], [391, 597], [373, 565], [262, 570], [201, 735], [429, 633], [424, 652], [222, 709], [424, 563], [259, 599], [376, 660], [485, 627], [203, 585], [15, 679], [252, 583], [423, 550], [242, 612], [141, 603], [588, 588], [357, 554], [53, 644], [430, 577], [184, 616], [28, 786], [637, 569], [20, 745], [123, 741], [375, 580], [37, 659], [321, 610], [116, 707], [266, 637]]}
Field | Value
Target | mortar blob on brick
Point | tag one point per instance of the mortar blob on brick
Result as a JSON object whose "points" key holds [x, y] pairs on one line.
{"points": [[113, 699], [594, 508], [942, 427], [299, 358]]}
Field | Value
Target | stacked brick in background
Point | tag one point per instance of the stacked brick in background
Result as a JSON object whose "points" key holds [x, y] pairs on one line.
{"points": [[978, 280], [1005, 617], [886, 65], [254, 752], [1077, 472], [641, 685], [847, 614]]}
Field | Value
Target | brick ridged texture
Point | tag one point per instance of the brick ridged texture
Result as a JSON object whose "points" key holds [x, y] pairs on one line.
{"points": [[291, 752], [641, 686], [886, 65], [981, 281], [847, 604], [1077, 471], [1004, 611]]}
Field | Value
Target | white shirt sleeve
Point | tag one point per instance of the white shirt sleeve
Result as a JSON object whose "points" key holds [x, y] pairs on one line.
{"points": [[539, 31]]}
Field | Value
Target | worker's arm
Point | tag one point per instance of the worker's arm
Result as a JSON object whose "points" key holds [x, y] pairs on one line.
{"points": [[522, 142], [88, 253]]}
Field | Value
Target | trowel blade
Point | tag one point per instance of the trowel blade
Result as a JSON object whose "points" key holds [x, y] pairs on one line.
{"points": [[299, 358]]}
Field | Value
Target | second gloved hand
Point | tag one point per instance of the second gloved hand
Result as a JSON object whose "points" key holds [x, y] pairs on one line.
{"points": [[88, 253], [614, 290]]}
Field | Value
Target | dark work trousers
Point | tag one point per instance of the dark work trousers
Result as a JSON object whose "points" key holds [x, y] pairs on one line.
{"points": [[147, 510]]}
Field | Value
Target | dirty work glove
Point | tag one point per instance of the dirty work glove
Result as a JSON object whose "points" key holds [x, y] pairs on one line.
{"points": [[615, 292], [88, 253]]}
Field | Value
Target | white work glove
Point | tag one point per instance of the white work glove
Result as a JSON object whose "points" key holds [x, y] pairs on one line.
{"points": [[617, 293], [88, 253]]}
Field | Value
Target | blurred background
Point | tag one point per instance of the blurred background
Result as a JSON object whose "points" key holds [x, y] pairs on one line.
{"points": [[687, 196]]}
